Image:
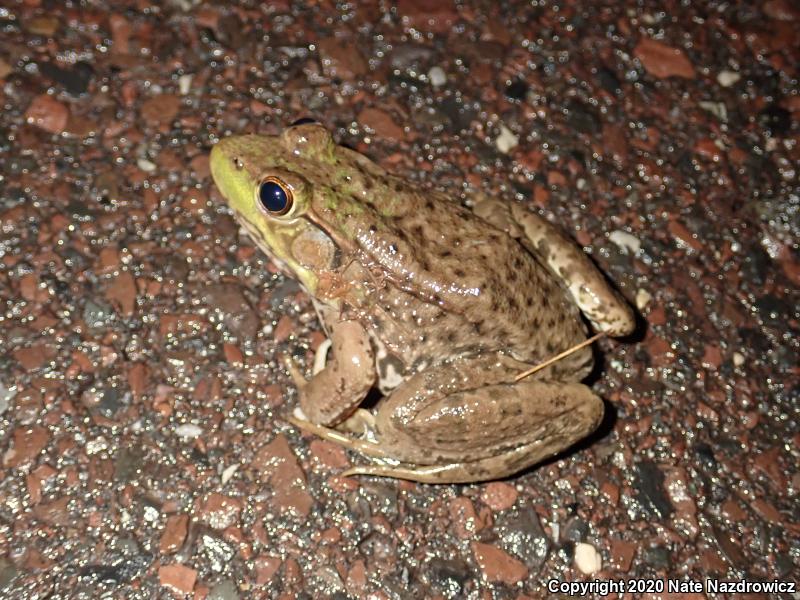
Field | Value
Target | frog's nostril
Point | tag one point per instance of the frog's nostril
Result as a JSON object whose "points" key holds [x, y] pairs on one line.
{"points": [[238, 163]]}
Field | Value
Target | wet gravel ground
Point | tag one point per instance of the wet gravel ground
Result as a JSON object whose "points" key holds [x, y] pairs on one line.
{"points": [[143, 446]]}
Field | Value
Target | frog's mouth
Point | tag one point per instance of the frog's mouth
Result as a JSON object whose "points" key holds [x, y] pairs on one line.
{"points": [[260, 240]]}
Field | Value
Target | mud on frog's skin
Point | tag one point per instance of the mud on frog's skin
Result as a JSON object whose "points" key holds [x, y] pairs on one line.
{"points": [[438, 305]]}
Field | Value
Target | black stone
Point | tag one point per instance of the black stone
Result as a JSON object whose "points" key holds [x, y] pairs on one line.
{"points": [[651, 493], [516, 90], [776, 120], [75, 79]]}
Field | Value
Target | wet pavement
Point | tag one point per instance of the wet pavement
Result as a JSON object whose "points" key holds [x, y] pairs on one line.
{"points": [[142, 390]]}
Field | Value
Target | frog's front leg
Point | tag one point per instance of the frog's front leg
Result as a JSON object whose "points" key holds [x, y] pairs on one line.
{"points": [[334, 393], [469, 421], [600, 302]]}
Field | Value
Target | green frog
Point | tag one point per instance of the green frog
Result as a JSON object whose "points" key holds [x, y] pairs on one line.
{"points": [[437, 305]]}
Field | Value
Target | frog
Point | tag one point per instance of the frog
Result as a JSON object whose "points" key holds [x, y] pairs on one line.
{"points": [[430, 304]]}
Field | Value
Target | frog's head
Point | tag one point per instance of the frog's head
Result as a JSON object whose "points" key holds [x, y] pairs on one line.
{"points": [[269, 181]]}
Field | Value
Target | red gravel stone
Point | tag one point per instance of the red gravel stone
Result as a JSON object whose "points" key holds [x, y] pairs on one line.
{"points": [[219, 511], [265, 567], [341, 58], [34, 356], [782, 10], [178, 577], [662, 60], [381, 123], [498, 566], [27, 443], [622, 553], [175, 531], [161, 109], [433, 16], [499, 495], [356, 579], [464, 518], [121, 292], [283, 329], [328, 454], [45, 112], [278, 466]]}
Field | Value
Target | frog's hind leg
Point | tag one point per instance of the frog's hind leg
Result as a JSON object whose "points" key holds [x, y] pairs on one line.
{"points": [[601, 303], [448, 436], [485, 469]]}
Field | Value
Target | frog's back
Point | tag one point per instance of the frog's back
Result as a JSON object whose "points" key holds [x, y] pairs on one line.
{"points": [[489, 291]]}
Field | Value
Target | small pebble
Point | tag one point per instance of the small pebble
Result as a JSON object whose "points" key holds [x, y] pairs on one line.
{"points": [[146, 165], [437, 76], [728, 78], [6, 394], [228, 473], [718, 109], [188, 431], [587, 558], [738, 359], [643, 298], [185, 84], [629, 244], [506, 141]]}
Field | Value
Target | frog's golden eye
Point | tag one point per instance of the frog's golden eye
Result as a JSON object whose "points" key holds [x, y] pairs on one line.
{"points": [[274, 197]]}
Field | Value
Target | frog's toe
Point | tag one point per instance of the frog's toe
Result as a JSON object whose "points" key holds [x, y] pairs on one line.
{"points": [[360, 423], [421, 473], [321, 356], [366, 448]]}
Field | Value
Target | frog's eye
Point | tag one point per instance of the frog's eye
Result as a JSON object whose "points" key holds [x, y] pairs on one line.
{"points": [[275, 197]]}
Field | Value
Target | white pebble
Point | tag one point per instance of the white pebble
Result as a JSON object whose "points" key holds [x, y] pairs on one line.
{"points": [[437, 76], [738, 359], [228, 473], [99, 444], [728, 78], [6, 394], [145, 165], [185, 84], [587, 558], [188, 431], [506, 140], [643, 298], [626, 242], [718, 109]]}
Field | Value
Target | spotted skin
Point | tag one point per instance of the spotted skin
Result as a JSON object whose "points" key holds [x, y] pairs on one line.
{"points": [[436, 305]]}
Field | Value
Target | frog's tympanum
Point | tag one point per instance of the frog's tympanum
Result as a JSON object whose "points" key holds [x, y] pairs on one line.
{"points": [[436, 305]]}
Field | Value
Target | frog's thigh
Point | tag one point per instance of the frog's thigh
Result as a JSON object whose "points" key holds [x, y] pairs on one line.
{"points": [[484, 433], [601, 304], [333, 393]]}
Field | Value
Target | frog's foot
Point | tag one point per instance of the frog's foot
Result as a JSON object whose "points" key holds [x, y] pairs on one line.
{"points": [[366, 448], [360, 423], [492, 467]]}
